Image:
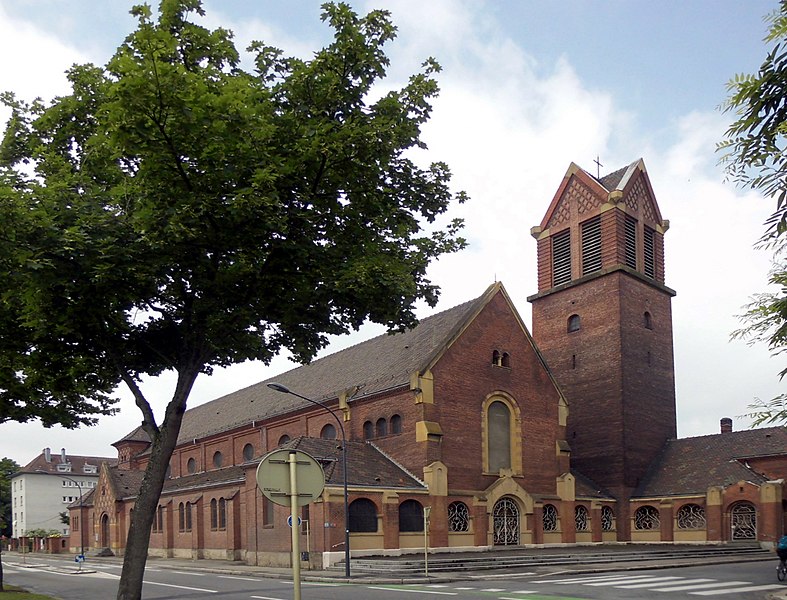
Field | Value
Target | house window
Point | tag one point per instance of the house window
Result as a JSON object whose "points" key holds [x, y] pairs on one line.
{"points": [[368, 430], [591, 245], [607, 519], [549, 517], [647, 320], [458, 517], [328, 432], [691, 516], [381, 427], [499, 422], [646, 518], [650, 252], [396, 424], [218, 459], [248, 452], [630, 243], [362, 516], [561, 258], [581, 518], [191, 466], [573, 324], [411, 516]]}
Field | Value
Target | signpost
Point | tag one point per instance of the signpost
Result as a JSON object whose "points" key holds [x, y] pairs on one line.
{"points": [[294, 478]]}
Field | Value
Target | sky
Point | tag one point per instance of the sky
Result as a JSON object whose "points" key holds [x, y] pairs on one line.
{"points": [[527, 87]]}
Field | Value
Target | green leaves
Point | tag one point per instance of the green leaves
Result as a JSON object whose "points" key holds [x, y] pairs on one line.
{"points": [[184, 213]]}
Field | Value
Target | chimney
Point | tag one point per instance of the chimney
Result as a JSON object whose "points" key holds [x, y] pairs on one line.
{"points": [[63, 457], [47, 455], [726, 425]]}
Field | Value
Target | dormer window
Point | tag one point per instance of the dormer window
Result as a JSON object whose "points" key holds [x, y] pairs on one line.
{"points": [[90, 469], [64, 468]]}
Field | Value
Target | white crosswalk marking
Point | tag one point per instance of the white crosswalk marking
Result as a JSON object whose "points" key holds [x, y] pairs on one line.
{"points": [[623, 583], [700, 586], [646, 583]]}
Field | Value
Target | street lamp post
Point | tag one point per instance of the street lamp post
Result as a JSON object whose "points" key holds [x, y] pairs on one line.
{"points": [[285, 390]]}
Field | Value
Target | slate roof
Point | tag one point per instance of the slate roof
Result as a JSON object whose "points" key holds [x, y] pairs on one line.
{"points": [[612, 180], [367, 465], [692, 465], [585, 487], [381, 363], [39, 463]]}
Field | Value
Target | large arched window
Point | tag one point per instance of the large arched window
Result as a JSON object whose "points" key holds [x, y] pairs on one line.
{"points": [[411, 516], [458, 517], [214, 515], [499, 440], [222, 513], [646, 518], [362, 516]]}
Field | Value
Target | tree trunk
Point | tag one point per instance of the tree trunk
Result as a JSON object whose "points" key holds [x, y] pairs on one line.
{"points": [[138, 540]]}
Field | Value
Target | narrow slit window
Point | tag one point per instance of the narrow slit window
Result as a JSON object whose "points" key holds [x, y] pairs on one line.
{"points": [[631, 242], [649, 252]]}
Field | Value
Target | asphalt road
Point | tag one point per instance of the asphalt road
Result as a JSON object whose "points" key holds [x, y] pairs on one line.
{"points": [[740, 581]]}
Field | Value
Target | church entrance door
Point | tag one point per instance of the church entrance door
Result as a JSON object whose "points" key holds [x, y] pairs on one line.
{"points": [[743, 519], [104, 535], [505, 521]]}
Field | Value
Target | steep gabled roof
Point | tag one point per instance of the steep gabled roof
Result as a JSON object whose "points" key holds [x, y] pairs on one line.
{"points": [[40, 464], [692, 465], [381, 363]]}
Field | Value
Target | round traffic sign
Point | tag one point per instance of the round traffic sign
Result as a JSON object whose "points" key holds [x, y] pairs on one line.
{"points": [[273, 477]]}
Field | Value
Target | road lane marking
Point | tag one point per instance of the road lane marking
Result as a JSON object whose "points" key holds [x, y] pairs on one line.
{"points": [[241, 578], [621, 582], [418, 591], [752, 588], [686, 584], [181, 587], [266, 598], [650, 582]]}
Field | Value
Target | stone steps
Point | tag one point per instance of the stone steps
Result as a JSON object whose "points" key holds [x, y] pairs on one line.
{"points": [[528, 559]]}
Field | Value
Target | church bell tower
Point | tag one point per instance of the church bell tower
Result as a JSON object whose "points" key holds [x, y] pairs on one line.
{"points": [[602, 318]]}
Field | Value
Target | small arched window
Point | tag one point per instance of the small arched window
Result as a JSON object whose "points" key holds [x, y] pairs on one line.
{"points": [[573, 323], [368, 430], [181, 517], [284, 439], [607, 519], [191, 466], [411, 516], [218, 459], [549, 518], [248, 452], [214, 515], [505, 360], [188, 516], [691, 516], [496, 359], [382, 427], [647, 320], [646, 518], [581, 518], [458, 517], [396, 424], [328, 432], [362, 516], [222, 513]]}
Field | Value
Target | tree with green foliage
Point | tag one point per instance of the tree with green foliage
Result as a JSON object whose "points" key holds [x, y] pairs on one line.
{"points": [[7, 469], [175, 212], [754, 155]]}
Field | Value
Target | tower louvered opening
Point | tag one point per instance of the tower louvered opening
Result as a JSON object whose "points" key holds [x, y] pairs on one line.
{"points": [[631, 242], [591, 245], [649, 252], [561, 258]]}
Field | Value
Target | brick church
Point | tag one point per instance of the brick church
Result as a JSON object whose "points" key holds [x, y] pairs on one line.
{"points": [[563, 436]]}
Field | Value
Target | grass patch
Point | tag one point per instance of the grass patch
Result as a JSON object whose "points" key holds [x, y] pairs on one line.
{"points": [[14, 593]]}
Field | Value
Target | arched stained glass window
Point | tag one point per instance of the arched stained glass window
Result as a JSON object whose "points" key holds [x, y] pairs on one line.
{"points": [[411, 516], [499, 423], [363, 516]]}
